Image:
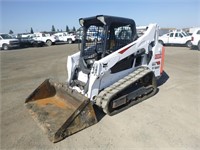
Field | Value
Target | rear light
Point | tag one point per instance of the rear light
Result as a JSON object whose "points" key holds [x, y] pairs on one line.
{"points": [[192, 39], [158, 62]]}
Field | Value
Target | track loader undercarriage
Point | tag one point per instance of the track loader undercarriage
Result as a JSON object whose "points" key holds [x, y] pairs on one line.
{"points": [[132, 89]]}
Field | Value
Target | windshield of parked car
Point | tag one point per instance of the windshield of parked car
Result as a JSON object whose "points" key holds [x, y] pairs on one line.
{"points": [[185, 33], [6, 36]]}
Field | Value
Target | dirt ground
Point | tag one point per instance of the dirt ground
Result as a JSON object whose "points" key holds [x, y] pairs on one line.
{"points": [[168, 120]]}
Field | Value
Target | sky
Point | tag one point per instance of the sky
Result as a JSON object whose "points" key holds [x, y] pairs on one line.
{"points": [[20, 15]]}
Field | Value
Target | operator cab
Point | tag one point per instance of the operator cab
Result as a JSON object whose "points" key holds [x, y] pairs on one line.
{"points": [[103, 35]]}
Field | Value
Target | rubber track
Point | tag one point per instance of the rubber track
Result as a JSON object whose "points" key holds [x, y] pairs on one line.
{"points": [[104, 96]]}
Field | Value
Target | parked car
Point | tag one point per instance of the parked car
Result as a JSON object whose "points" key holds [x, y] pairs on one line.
{"points": [[8, 42], [65, 37], [29, 42], [46, 38], [176, 38], [196, 39], [78, 38]]}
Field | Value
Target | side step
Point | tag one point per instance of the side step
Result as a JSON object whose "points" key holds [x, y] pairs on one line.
{"points": [[60, 111]]}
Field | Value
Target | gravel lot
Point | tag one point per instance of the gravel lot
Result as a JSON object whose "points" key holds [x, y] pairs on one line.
{"points": [[169, 120]]}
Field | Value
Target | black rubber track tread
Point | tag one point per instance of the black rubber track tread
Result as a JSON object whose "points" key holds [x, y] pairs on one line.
{"points": [[106, 95]]}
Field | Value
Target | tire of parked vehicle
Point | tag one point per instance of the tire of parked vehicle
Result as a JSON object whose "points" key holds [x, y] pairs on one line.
{"points": [[69, 41], [189, 44], [192, 47], [161, 42], [95, 40], [49, 42], [41, 44], [198, 46], [5, 47], [35, 44]]}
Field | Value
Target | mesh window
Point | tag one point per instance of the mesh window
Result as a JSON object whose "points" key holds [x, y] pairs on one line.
{"points": [[120, 37], [94, 41]]}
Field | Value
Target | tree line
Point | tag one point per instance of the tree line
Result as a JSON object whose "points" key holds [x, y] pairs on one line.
{"points": [[52, 30]]}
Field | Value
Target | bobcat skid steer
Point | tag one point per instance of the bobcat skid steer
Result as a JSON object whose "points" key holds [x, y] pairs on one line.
{"points": [[114, 70]]}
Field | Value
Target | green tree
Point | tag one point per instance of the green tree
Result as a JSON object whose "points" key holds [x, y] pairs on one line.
{"points": [[53, 28], [11, 32], [32, 30], [74, 29], [67, 29]]}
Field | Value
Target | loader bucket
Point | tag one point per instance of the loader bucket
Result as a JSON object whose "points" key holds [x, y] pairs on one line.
{"points": [[60, 111]]}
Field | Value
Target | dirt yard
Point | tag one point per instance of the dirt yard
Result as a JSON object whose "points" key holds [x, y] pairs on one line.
{"points": [[168, 120]]}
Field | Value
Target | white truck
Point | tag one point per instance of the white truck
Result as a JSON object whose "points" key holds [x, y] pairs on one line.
{"points": [[49, 40], [196, 39], [8, 42], [176, 38], [65, 37]]}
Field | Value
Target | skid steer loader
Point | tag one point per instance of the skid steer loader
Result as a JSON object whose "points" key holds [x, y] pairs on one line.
{"points": [[114, 70]]}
